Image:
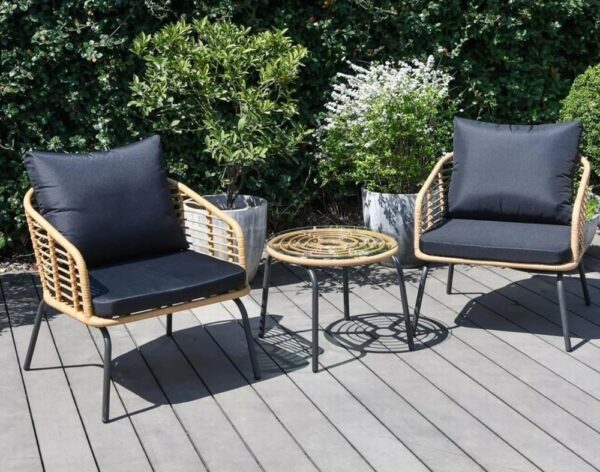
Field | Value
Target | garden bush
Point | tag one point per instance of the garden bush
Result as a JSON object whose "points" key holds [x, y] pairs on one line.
{"points": [[385, 126], [229, 90], [66, 66], [583, 103]]}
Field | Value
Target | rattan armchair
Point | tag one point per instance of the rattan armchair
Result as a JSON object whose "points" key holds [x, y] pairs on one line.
{"points": [[432, 212], [68, 284]]}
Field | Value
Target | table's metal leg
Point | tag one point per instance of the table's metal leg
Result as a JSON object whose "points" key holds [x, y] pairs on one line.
{"points": [[450, 278], [346, 294], [409, 328], [265, 297], [584, 287], [315, 319], [421, 290], [170, 324]]}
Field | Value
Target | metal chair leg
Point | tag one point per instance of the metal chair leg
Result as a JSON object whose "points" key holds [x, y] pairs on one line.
{"points": [[106, 380], [315, 319], [420, 292], [564, 316], [409, 327], [450, 278], [170, 324], [249, 339], [346, 294], [584, 286], [34, 334], [265, 297]]}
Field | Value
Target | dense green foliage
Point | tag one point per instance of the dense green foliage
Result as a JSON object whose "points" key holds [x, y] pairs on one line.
{"points": [[583, 103], [230, 90], [385, 126], [66, 66]]}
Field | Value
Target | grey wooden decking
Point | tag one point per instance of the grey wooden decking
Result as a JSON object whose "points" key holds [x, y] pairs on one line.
{"points": [[490, 387]]}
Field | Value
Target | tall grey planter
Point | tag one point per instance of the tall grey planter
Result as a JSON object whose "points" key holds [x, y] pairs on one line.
{"points": [[591, 226], [393, 214], [251, 213]]}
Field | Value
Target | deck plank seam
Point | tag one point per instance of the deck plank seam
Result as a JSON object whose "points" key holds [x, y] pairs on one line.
{"points": [[358, 359], [452, 400], [433, 348], [217, 402], [524, 329], [503, 401], [258, 394], [164, 393], [307, 351], [437, 300]]}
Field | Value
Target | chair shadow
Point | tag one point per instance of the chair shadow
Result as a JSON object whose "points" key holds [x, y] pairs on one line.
{"points": [[508, 303], [383, 333], [21, 300], [277, 353]]}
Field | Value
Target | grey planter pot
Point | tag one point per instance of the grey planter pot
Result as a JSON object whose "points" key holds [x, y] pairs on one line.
{"points": [[589, 231], [393, 214], [251, 213]]}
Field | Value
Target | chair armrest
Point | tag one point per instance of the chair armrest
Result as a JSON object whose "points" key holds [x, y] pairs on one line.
{"points": [[579, 209], [208, 229], [432, 199], [62, 269]]}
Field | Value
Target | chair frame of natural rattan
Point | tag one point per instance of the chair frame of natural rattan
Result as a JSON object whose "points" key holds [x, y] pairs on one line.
{"points": [[66, 285], [431, 208]]}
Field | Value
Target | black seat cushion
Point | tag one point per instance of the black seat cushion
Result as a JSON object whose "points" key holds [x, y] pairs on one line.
{"points": [[513, 173], [112, 205], [142, 284], [535, 243]]}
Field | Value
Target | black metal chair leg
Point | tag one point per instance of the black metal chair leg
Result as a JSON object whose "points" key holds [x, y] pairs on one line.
{"points": [[34, 334], [107, 369], [420, 292], [564, 316], [265, 297], [409, 327], [450, 279], [170, 324], [315, 319], [249, 339], [346, 294], [584, 286]]}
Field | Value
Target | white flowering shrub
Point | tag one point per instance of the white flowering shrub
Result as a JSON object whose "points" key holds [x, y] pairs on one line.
{"points": [[385, 126]]}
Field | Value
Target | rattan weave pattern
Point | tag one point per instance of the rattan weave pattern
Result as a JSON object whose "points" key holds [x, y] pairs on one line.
{"points": [[331, 245]]}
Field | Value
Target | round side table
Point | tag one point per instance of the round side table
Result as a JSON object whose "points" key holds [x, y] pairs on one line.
{"points": [[331, 246]]}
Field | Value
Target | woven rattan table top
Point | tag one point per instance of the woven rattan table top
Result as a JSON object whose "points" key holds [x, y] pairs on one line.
{"points": [[331, 246]]}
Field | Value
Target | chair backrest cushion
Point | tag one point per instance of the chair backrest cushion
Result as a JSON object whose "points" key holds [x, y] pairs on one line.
{"points": [[112, 205], [513, 172]]}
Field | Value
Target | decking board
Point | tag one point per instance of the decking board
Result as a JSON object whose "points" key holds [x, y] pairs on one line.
{"points": [[18, 442], [497, 393]]}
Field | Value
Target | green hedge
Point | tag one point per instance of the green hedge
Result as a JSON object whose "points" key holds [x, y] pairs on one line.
{"points": [[583, 104], [65, 69]]}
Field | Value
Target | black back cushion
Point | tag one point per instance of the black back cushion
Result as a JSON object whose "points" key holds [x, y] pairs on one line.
{"points": [[513, 172], [112, 205]]}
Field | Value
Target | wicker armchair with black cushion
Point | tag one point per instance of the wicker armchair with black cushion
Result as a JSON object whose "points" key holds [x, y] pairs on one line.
{"points": [[506, 197], [113, 243]]}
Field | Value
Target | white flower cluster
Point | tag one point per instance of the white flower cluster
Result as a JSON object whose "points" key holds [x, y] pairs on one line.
{"points": [[353, 97]]}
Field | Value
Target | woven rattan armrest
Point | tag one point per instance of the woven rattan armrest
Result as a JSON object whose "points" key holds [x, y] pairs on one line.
{"points": [[63, 271], [208, 229], [432, 200]]}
